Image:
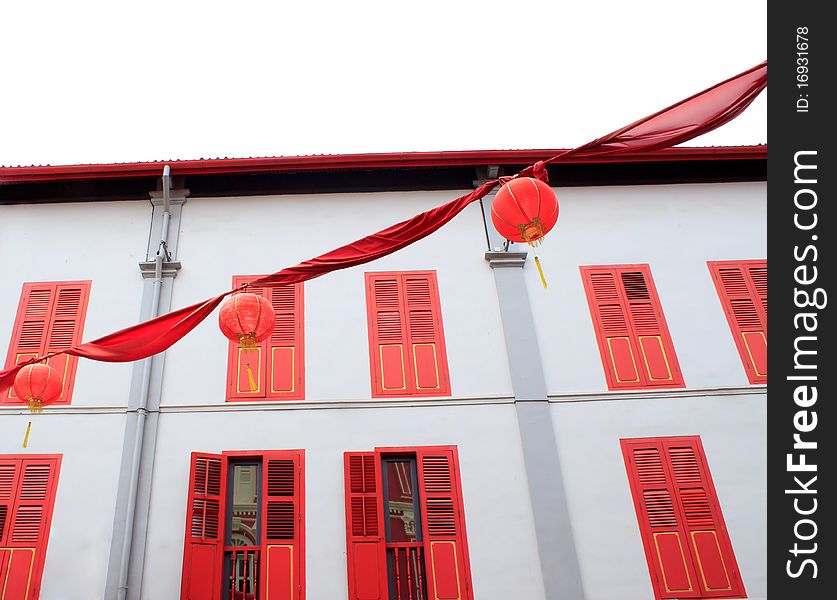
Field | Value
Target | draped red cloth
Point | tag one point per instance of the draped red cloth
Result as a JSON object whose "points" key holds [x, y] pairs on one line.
{"points": [[678, 123]]}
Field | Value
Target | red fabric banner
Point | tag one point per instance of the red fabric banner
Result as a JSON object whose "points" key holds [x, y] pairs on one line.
{"points": [[684, 120], [678, 123]]}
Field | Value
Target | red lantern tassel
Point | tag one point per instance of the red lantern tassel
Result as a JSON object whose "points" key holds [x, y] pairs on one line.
{"points": [[249, 346], [26, 436], [252, 380], [540, 271]]}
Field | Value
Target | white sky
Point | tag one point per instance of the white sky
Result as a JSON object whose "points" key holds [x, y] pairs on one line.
{"points": [[89, 81]]}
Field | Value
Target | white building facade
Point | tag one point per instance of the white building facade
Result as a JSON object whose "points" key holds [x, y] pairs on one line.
{"points": [[523, 448]]}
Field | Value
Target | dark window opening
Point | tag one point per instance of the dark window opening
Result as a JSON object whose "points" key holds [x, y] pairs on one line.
{"points": [[242, 541], [406, 572]]}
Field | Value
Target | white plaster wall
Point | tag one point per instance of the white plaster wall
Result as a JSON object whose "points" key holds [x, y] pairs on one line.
{"points": [[733, 430], [500, 529], [82, 520], [673, 228], [98, 241], [222, 237]]}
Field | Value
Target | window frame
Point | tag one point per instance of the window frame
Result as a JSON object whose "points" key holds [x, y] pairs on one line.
{"points": [[376, 368], [65, 362], [444, 546], [653, 559], [666, 342], [228, 459], [747, 359], [39, 551], [232, 392]]}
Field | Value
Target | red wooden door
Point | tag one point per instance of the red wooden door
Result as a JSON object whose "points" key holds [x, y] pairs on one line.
{"points": [[203, 550], [365, 549], [283, 533], [445, 541], [27, 495]]}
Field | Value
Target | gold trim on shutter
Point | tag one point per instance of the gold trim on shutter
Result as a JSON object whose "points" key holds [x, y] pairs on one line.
{"points": [[11, 552], [682, 556]]}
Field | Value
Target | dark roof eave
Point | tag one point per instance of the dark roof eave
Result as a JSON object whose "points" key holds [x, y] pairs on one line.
{"points": [[334, 162]]}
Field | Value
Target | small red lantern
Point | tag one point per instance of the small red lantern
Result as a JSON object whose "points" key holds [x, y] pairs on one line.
{"points": [[246, 319], [525, 210], [39, 385]]}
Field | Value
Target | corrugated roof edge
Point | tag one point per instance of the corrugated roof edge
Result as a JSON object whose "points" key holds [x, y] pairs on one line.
{"points": [[330, 162]]}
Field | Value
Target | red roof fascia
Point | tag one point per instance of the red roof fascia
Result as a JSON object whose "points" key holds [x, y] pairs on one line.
{"points": [[332, 162]]}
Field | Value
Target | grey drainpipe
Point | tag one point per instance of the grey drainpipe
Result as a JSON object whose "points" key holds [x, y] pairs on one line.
{"points": [[142, 408]]}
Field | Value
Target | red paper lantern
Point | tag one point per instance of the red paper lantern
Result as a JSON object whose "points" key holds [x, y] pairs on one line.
{"points": [[246, 319], [525, 210], [39, 385]]}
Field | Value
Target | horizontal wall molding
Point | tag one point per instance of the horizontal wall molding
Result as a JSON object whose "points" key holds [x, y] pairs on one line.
{"points": [[271, 405], [336, 404], [750, 390], [671, 394], [13, 411]]}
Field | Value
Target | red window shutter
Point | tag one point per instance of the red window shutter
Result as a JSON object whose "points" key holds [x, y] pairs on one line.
{"points": [[203, 551], [285, 352], [686, 542], [365, 549], [406, 339], [27, 496], [283, 525], [424, 330], [443, 522], [634, 342], [50, 318], [276, 365], [388, 352], [742, 289]]}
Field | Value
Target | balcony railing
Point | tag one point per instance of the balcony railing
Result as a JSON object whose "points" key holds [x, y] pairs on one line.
{"points": [[243, 568], [406, 571]]}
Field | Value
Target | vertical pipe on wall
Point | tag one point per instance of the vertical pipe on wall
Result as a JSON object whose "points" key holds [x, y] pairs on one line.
{"points": [[493, 240], [142, 407]]}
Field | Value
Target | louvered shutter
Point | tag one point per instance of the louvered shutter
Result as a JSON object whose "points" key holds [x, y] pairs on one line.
{"points": [[443, 523], [391, 371], [27, 495], [742, 289], [65, 330], [716, 566], [666, 542], [33, 317], [426, 338], [203, 551], [365, 548], [686, 542], [618, 348], [277, 363], [633, 337], [283, 525], [9, 472], [50, 318], [285, 352], [659, 363]]}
